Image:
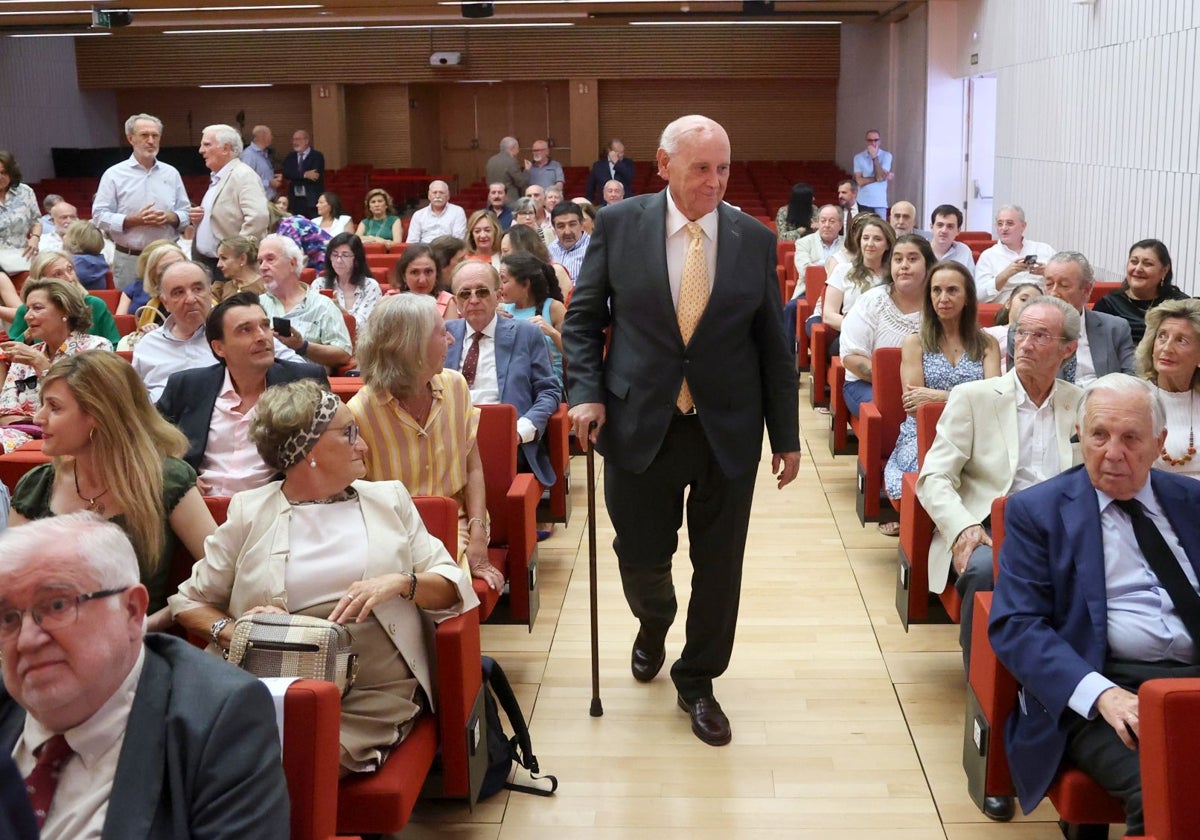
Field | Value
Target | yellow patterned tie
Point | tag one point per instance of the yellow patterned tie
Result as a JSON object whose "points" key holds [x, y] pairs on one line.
{"points": [[693, 297]]}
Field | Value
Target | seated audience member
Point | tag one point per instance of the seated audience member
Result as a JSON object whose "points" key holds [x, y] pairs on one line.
{"points": [[417, 272], [151, 263], [945, 223], [849, 250], [55, 265], [589, 215], [215, 405], [114, 455], [180, 343], [814, 249], [795, 220], [868, 270], [315, 328], [903, 218], [521, 239], [504, 350], [1105, 344], [948, 350], [355, 552], [62, 216], [1169, 356], [147, 736], [554, 197], [571, 240], [525, 214], [884, 317], [1148, 282], [447, 253], [58, 320], [530, 292], [281, 203], [85, 243], [614, 191], [237, 259], [1009, 314], [418, 421], [483, 238], [541, 219], [381, 222], [21, 227], [48, 204], [347, 275], [996, 437], [331, 217], [307, 234], [1117, 539], [437, 218], [497, 204], [1012, 260]]}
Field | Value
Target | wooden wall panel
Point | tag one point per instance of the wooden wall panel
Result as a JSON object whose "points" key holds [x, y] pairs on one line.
{"points": [[762, 123], [186, 111], [377, 125], [425, 130]]}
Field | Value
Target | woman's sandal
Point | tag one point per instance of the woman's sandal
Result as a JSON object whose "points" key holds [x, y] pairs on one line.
{"points": [[889, 529]]}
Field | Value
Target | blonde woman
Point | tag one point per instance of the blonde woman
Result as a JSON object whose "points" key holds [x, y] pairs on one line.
{"points": [[56, 265], [150, 267], [237, 260]]}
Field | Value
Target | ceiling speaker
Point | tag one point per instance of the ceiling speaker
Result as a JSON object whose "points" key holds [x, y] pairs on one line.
{"points": [[477, 10], [758, 7]]}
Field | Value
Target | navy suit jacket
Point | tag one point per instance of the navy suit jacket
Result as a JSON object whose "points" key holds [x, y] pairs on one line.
{"points": [[525, 378], [201, 752], [1049, 622], [739, 368], [190, 396], [294, 172], [16, 817], [600, 175]]}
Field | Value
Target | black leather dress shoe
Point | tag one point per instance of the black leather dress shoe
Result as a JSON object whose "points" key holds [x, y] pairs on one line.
{"points": [[649, 654], [999, 808], [709, 723]]}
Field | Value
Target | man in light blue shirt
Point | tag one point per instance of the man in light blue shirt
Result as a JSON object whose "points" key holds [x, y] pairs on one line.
{"points": [[872, 171], [571, 244], [258, 158]]}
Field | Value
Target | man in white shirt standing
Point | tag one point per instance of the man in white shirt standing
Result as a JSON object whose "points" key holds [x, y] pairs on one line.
{"points": [[438, 218], [872, 171], [140, 200], [945, 223], [1011, 261]]}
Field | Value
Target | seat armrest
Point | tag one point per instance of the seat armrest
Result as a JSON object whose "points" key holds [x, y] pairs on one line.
{"points": [[459, 680], [870, 442]]}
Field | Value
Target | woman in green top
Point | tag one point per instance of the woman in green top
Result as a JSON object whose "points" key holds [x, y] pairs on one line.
{"points": [[381, 223], [59, 266], [113, 454]]}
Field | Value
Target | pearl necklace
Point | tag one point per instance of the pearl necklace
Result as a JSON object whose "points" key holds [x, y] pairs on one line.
{"points": [[1191, 449]]}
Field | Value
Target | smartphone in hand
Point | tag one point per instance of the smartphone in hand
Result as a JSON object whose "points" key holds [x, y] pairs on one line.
{"points": [[283, 326]]}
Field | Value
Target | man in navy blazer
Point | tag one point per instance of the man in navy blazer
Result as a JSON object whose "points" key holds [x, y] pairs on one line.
{"points": [[514, 370], [304, 167], [213, 405], [670, 413], [1079, 616], [165, 742], [612, 166]]}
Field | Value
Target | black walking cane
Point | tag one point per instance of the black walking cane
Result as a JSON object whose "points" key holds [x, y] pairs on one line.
{"points": [[597, 710]]}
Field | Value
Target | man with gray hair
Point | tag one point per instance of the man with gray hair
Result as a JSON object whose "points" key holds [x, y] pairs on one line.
{"points": [[119, 733], [545, 172], [1097, 593], [504, 168], [258, 157], [313, 324], [139, 200], [304, 167], [1105, 341], [614, 191], [1013, 260], [234, 205], [997, 436], [437, 218]]}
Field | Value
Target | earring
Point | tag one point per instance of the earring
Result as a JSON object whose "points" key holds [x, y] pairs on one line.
{"points": [[313, 463], [64, 320]]}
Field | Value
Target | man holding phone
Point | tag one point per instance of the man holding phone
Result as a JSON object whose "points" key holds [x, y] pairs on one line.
{"points": [[1011, 261]]}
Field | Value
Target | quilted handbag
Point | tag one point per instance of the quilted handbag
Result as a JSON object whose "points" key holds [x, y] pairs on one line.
{"points": [[276, 645]]}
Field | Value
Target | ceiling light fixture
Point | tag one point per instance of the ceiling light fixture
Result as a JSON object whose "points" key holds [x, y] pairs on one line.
{"points": [[244, 85], [734, 22], [361, 28], [63, 35]]}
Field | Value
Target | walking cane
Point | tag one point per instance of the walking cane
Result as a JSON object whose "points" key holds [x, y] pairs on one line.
{"points": [[597, 710]]}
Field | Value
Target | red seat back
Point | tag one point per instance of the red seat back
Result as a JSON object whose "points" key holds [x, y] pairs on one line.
{"points": [[497, 442], [888, 395], [927, 420]]}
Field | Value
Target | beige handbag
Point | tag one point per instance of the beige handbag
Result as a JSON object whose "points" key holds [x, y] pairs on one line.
{"points": [[276, 645]]}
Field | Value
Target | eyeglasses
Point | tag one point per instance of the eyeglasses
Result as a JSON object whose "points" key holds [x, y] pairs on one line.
{"points": [[872, 139], [1039, 338], [52, 613], [483, 293], [342, 255], [350, 430]]}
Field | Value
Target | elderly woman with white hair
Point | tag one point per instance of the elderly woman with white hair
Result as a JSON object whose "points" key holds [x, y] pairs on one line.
{"points": [[315, 328]]}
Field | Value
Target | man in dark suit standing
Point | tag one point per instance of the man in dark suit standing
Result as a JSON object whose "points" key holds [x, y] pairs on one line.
{"points": [[1097, 593], [304, 167], [612, 166], [697, 362], [214, 405], [120, 734]]}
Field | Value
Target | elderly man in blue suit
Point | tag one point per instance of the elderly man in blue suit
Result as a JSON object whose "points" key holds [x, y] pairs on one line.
{"points": [[505, 361], [1097, 593]]}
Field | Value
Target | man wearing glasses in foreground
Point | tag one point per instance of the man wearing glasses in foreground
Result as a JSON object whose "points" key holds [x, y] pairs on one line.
{"points": [[80, 674]]}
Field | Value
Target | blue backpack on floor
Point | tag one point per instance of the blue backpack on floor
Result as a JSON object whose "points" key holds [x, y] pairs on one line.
{"points": [[503, 750]]}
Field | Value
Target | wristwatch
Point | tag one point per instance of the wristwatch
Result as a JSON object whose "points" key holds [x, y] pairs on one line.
{"points": [[217, 627]]}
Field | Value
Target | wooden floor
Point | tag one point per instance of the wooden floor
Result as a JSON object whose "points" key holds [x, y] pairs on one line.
{"points": [[844, 726]]}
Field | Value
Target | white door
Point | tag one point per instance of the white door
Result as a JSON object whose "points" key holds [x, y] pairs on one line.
{"points": [[981, 151]]}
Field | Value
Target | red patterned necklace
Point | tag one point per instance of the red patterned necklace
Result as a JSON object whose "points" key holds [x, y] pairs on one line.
{"points": [[1191, 449]]}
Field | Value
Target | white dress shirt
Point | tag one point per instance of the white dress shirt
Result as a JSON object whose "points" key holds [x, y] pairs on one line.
{"points": [[1085, 367], [126, 188], [1037, 452], [486, 390], [999, 257], [678, 239]]}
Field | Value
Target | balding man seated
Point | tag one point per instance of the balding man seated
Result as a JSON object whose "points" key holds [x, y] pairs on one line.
{"points": [[438, 218], [120, 734], [614, 191], [1013, 260], [903, 219], [62, 214], [214, 405]]}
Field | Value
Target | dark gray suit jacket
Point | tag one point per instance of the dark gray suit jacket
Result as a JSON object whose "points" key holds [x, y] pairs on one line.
{"points": [[201, 753], [739, 369], [190, 396], [1109, 340]]}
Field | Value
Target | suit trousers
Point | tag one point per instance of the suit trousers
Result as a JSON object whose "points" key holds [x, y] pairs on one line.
{"points": [[976, 577], [1093, 745], [646, 510]]}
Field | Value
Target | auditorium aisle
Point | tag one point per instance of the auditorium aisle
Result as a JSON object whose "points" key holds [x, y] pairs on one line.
{"points": [[844, 726]]}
